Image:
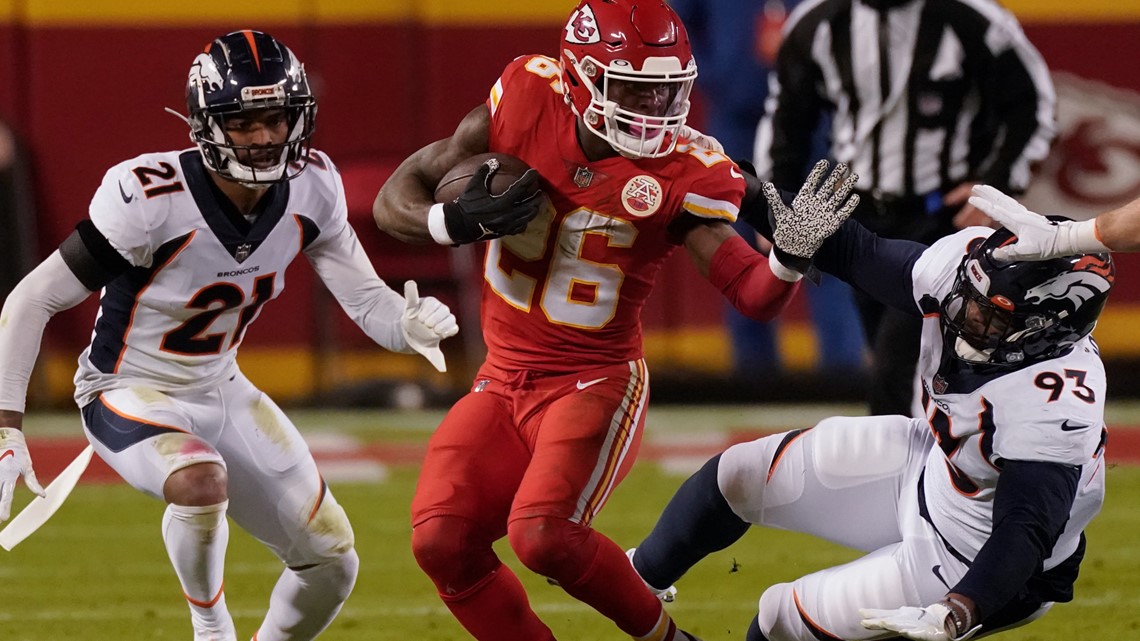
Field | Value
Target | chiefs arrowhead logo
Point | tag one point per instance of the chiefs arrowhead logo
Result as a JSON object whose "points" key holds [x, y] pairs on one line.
{"points": [[582, 29]]}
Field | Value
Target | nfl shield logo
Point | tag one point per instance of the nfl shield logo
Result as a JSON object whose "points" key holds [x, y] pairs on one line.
{"points": [[939, 385], [242, 252], [582, 177], [481, 385]]}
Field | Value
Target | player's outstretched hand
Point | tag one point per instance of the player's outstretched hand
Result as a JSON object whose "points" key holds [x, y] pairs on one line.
{"points": [[921, 624], [480, 215], [426, 322], [14, 463], [1038, 238], [816, 212]]}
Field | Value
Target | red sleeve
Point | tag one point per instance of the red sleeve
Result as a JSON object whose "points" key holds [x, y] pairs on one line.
{"points": [[743, 276]]}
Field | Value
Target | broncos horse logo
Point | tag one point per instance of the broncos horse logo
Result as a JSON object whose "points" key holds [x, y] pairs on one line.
{"points": [[204, 74], [1090, 276]]}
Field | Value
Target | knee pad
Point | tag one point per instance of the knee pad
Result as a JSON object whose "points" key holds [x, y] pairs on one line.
{"points": [[454, 552], [326, 536], [551, 547]]}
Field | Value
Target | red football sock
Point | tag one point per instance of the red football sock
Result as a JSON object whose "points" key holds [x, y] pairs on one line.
{"points": [[497, 609], [610, 585]]}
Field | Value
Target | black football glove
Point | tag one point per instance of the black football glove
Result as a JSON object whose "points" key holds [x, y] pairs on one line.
{"points": [[479, 215]]}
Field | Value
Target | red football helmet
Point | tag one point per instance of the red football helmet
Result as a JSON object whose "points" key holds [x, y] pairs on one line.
{"points": [[627, 70]]}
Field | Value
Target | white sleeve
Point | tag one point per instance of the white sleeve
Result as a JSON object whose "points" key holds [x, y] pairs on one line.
{"points": [[50, 288], [344, 268]]}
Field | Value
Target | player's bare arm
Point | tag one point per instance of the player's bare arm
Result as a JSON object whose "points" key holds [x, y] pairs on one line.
{"points": [[410, 213], [401, 207], [1119, 229]]}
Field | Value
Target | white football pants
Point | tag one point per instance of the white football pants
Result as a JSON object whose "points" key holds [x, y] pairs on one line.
{"points": [[852, 481]]}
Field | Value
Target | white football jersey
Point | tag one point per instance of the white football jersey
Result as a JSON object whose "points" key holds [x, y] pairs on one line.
{"points": [[201, 273], [1051, 411]]}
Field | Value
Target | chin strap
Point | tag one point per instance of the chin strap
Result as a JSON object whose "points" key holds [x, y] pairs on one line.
{"points": [[968, 352]]}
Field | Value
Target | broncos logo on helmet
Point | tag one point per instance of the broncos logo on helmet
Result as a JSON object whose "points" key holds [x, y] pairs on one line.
{"points": [[1076, 286]]}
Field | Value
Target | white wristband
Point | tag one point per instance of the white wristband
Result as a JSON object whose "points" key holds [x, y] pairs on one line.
{"points": [[436, 227], [782, 272], [1083, 237]]}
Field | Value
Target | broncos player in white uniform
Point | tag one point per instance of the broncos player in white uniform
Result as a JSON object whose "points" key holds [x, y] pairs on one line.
{"points": [[187, 247], [972, 516]]}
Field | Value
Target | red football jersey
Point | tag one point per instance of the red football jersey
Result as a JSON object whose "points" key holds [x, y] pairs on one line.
{"points": [[568, 292]]}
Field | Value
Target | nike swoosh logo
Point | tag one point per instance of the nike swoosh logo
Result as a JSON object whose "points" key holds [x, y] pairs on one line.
{"points": [[7, 453], [1067, 427], [122, 192], [735, 174], [582, 385], [936, 570]]}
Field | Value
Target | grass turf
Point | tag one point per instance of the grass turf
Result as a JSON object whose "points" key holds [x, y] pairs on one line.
{"points": [[99, 571]]}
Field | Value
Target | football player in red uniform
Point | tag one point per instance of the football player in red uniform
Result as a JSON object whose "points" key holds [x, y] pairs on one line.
{"points": [[554, 418]]}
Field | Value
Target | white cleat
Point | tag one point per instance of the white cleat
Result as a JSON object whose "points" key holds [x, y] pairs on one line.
{"points": [[667, 595]]}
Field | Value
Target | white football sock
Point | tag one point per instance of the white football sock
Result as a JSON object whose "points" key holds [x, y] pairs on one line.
{"points": [[304, 602], [196, 538]]}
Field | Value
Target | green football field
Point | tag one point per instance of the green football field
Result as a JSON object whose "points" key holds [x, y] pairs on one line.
{"points": [[98, 569]]}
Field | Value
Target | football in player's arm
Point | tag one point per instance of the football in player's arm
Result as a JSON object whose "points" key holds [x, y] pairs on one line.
{"points": [[185, 247], [972, 517], [554, 417]]}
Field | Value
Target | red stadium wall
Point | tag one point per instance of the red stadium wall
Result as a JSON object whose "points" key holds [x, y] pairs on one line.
{"points": [[85, 85]]}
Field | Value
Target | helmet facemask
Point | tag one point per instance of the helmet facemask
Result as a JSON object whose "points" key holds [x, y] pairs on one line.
{"points": [[988, 330], [627, 130]]}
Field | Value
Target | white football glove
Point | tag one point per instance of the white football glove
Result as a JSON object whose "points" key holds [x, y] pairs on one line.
{"points": [[921, 624], [426, 322], [816, 212], [1038, 238], [701, 140], [14, 463]]}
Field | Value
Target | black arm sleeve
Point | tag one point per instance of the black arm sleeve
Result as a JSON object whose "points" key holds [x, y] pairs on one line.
{"points": [[90, 256], [1031, 506], [880, 267]]}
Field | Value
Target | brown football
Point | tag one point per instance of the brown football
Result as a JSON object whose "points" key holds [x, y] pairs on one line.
{"points": [[455, 180]]}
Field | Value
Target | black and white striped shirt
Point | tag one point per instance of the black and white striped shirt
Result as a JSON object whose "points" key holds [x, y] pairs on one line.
{"points": [[924, 95]]}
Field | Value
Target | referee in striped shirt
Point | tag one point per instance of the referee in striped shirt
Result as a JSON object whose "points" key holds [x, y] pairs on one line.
{"points": [[926, 98]]}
